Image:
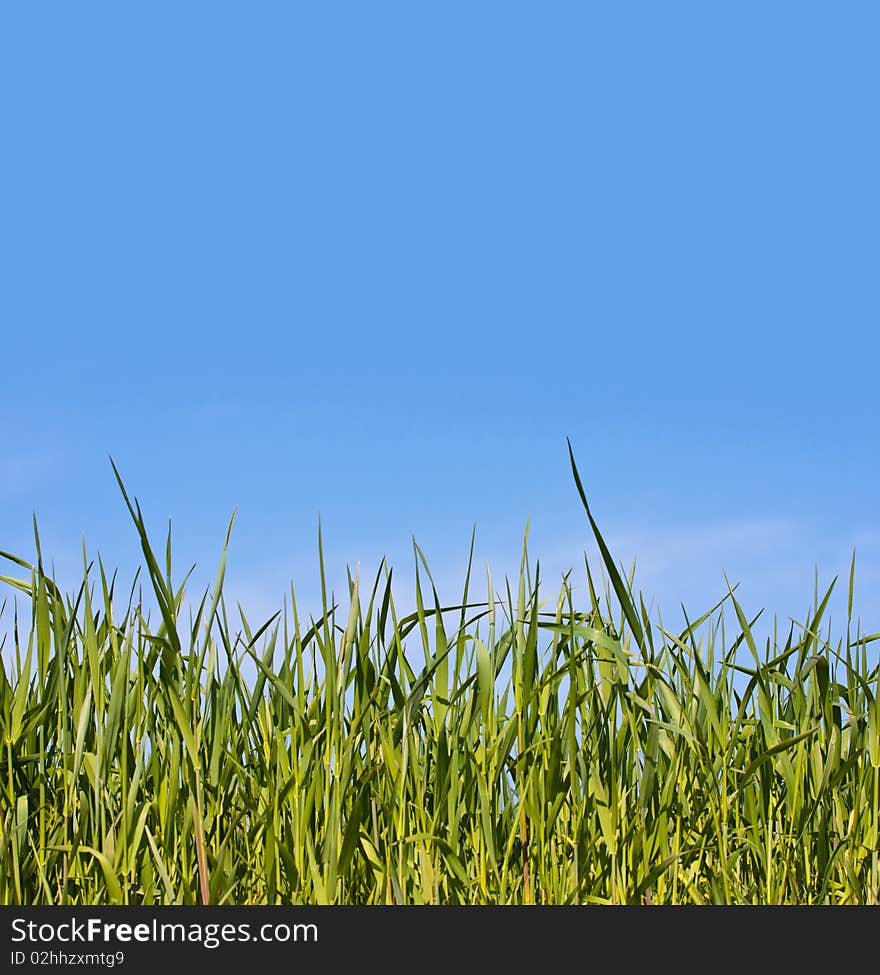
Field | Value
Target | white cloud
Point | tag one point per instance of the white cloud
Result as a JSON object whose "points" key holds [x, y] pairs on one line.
{"points": [[703, 546]]}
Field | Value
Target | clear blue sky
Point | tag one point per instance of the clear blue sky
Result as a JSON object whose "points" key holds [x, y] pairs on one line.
{"points": [[378, 260]]}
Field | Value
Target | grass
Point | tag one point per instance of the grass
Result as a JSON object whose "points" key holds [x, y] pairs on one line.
{"points": [[521, 748]]}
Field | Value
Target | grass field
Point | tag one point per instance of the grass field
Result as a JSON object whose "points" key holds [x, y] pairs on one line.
{"points": [[525, 745]]}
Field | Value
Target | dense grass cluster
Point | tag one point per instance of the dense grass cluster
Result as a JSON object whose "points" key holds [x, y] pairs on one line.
{"points": [[517, 748]]}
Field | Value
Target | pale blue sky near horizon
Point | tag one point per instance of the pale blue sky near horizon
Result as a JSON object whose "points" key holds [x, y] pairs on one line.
{"points": [[377, 262]]}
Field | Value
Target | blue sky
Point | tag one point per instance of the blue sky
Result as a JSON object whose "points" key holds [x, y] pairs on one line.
{"points": [[377, 261]]}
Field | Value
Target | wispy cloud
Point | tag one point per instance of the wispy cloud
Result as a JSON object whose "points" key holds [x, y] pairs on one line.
{"points": [[697, 547]]}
